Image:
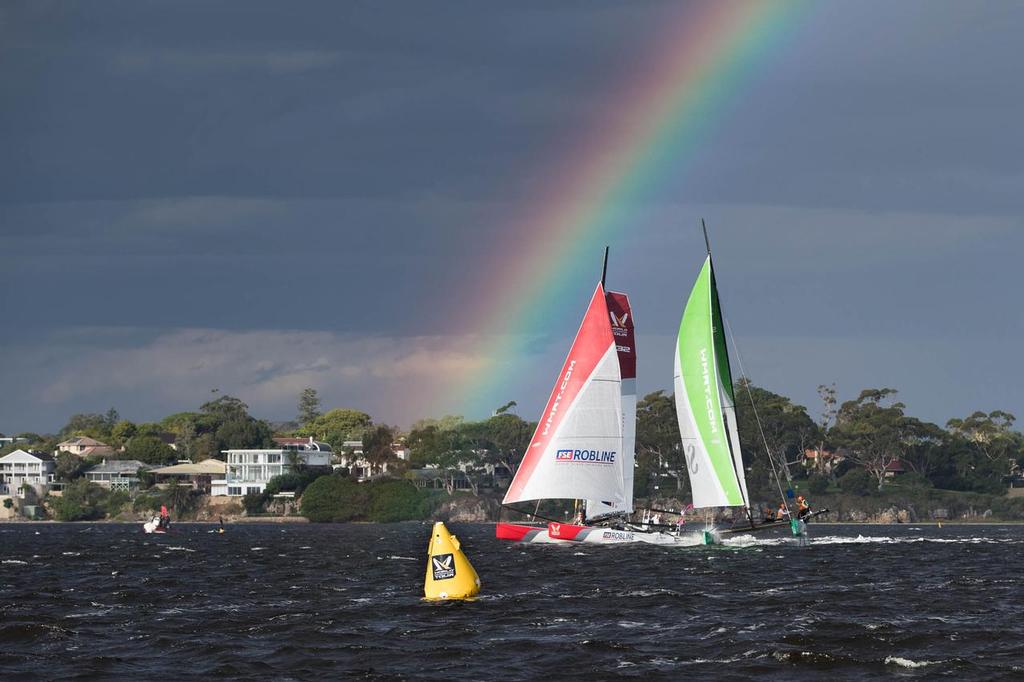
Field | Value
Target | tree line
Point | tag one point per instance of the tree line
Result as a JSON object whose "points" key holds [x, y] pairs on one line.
{"points": [[856, 445]]}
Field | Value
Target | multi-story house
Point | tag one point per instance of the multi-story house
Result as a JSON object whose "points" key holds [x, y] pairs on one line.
{"points": [[20, 468], [84, 446], [249, 471]]}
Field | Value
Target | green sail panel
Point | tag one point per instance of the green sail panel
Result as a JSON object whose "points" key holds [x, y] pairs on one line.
{"points": [[704, 400]]}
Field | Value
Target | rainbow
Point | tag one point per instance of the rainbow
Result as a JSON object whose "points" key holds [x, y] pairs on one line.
{"points": [[698, 68]]}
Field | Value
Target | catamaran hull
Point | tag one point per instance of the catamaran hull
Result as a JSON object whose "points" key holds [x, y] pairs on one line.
{"points": [[564, 533]]}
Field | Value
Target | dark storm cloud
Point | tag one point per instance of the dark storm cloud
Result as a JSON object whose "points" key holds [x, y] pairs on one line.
{"points": [[181, 177]]}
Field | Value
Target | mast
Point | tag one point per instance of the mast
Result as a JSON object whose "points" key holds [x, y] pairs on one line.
{"points": [[579, 507], [717, 321]]}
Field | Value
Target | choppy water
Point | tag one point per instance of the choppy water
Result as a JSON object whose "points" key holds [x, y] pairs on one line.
{"points": [[298, 601]]}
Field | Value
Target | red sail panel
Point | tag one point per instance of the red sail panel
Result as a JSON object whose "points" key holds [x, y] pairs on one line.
{"points": [[622, 329]]}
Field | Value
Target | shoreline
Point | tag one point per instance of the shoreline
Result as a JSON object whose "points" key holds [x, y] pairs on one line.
{"points": [[304, 520]]}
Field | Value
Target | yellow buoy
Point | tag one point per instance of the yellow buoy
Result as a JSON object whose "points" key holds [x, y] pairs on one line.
{"points": [[449, 573]]}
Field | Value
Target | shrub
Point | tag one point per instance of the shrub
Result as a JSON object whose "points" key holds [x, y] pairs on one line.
{"points": [[339, 499], [253, 503], [81, 501], [914, 480], [817, 484], [334, 498], [396, 501], [858, 482]]}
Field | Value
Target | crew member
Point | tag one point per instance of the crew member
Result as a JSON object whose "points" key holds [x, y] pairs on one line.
{"points": [[803, 509], [769, 515], [165, 517], [783, 512]]}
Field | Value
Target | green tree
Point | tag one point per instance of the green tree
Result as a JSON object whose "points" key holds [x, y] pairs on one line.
{"points": [[337, 426], [110, 419], [81, 500], [309, 405], [505, 408], [149, 449], [658, 448], [506, 437], [817, 484], [858, 482], [876, 434], [377, 448], [786, 427], [240, 434], [226, 408], [254, 503], [396, 501], [450, 450], [68, 467], [335, 498], [122, 432], [93, 425]]}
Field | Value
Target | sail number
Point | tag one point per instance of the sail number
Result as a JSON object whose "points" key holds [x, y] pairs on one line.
{"points": [[691, 458]]}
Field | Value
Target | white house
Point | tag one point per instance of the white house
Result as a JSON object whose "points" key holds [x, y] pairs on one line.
{"points": [[249, 471], [20, 467]]}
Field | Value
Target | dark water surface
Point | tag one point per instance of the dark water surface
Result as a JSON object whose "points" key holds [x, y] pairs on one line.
{"points": [[335, 601]]}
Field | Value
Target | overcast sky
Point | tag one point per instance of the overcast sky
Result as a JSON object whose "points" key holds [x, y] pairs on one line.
{"points": [[257, 197]]}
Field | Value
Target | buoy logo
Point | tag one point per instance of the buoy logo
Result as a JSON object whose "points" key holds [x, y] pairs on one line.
{"points": [[444, 566]]}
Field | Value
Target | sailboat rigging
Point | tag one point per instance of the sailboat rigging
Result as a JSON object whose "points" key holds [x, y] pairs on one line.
{"points": [[706, 405], [583, 447]]}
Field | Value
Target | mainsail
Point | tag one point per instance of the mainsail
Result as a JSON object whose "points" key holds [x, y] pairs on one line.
{"points": [[705, 402], [621, 317], [577, 450]]}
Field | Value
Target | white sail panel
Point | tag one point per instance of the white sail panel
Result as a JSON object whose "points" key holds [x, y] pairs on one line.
{"points": [[623, 330], [577, 449]]}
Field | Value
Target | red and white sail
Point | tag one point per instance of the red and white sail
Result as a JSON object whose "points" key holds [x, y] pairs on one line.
{"points": [[621, 317], [577, 450]]}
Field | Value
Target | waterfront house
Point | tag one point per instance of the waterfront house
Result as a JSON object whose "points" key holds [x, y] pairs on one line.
{"points": [[360, 468], [198, 476], [249, 471], [84, 446], [21, 468], [117, 474]]}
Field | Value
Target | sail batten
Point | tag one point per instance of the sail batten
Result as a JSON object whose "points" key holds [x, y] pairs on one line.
{"points": [[705, 404]]}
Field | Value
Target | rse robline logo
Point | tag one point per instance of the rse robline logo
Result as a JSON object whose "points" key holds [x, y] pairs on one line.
{"points": [[586, 456]]}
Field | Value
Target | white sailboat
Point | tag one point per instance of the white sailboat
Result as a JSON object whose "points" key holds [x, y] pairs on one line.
{"points": [[583, 447]]}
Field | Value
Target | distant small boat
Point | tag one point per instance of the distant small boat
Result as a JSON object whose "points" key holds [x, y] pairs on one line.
{"points": [[157, 525]]}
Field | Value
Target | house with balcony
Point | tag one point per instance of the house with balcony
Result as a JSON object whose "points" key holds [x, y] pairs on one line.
{"points": [[249, 471], [117, 474], [21, 468]]}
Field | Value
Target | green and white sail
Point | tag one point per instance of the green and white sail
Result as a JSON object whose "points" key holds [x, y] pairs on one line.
{"points": [[705, 402]]}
